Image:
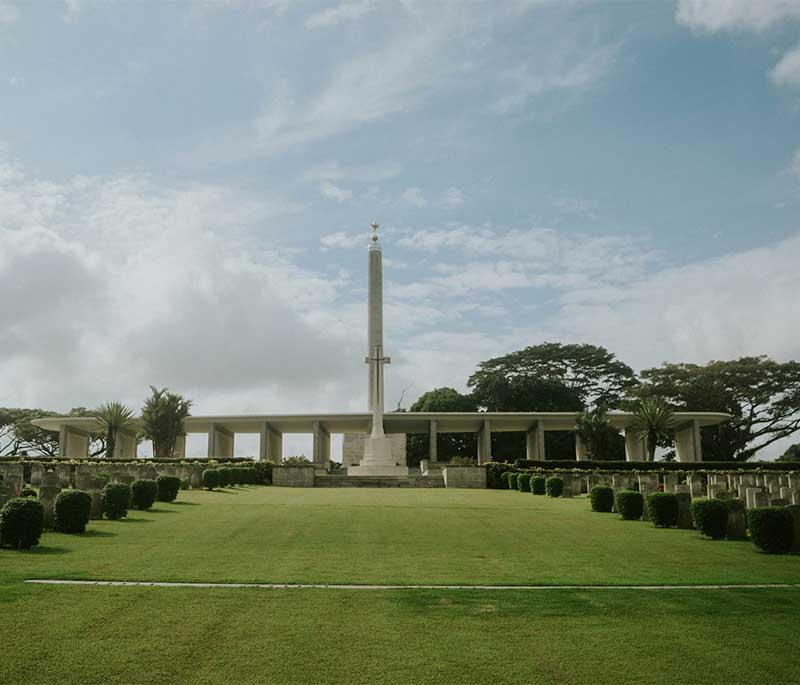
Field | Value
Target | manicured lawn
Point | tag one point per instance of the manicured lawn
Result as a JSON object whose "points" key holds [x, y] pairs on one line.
{"points": [[129, 635]]}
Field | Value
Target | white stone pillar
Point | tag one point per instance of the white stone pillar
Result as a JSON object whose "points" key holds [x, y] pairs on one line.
{"points": [[322, 444], [635, 447], [534, 442], [432, 438], [485, 442], [270, 447], [580, 449], [125, 446], [73, 443], [180, 447], [687, 443], [220, 441]]}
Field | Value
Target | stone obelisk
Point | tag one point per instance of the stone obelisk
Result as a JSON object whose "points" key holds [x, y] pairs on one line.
{"points": [[377, 459]]}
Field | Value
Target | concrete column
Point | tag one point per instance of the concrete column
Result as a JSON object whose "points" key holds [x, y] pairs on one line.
{"points": [[534, 442], [432, 449], [180, 447], [635, 447], [687, 442], [322, 444], [580, 449], [73, 443], [485, 442], [271, 445], [125, 447], [220, 441]]}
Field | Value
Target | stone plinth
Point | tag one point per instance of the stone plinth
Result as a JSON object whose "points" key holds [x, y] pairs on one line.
{"points": [[353, 448], [378, 459], [464, 477]]}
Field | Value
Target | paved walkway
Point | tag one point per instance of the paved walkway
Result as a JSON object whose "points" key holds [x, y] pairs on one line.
{"points": [[341, 586]]}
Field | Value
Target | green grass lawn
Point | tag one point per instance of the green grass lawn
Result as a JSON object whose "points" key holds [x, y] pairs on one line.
{"points": [[130, 635]]}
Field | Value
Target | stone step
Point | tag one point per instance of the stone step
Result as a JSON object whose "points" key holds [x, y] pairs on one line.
{"points": [[336, 481]]}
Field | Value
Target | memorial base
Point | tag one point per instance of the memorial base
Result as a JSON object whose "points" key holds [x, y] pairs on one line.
{"points": [[378, 460]]}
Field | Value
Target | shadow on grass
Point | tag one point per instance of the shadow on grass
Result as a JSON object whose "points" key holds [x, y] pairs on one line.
{"points": [[161, 511], [133, 519], [94, 533], [47, 550], [185, 504]]}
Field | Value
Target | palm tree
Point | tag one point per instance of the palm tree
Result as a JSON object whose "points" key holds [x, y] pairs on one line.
{"points": [[596, 433], [653, 421], [162, 420], [113, 417]]}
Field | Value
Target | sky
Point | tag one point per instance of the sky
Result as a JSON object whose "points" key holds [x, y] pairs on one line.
{"points": [[186, 190]]}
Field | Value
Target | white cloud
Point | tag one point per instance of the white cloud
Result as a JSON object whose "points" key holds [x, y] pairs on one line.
{"points": [[414, 196], [341, 13], [9, 14], [795, 164], [735, 15], [343, 239], [334, 192], [333, 171], [452, 198], [15, 81], [787, 71]]}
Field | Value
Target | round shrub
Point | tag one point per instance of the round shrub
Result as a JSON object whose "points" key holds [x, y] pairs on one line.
{"points": [[21, 523], [662, 509], [504, 479], [168, 487], [512, 480], [143, 494], [554, 486], [524, 482], [211, 479], [710, 517], [630, 504], [538, 485], [602, 498], [28, 492], [772, 529], [72, 510], [116, 500]]}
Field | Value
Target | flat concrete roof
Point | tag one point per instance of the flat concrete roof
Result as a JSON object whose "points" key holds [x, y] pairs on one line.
{"points": [[394, 422]]}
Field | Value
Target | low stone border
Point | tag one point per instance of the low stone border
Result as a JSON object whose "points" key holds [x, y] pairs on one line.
{"points": [[335, 586]]}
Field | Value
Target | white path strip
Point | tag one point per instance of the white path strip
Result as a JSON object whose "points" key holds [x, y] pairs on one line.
{"points": [[339, 586]]}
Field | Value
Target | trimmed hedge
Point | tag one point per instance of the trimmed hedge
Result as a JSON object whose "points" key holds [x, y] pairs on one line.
{"points": [[657, 465], [504, 478], [662, 509], [538, 485], [211, 479], [168, 487], [143, 494], [28, 492], [772, 529], [71, 511], [116, 500], [554, 487], [512, 480], [710, 517], [21, 523], [602, 498], [524, 482], [495, 473], [630, 504]]}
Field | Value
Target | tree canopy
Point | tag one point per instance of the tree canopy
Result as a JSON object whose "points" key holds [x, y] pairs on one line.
{"points": [[761, 394], [593, 374], [162, 420]]}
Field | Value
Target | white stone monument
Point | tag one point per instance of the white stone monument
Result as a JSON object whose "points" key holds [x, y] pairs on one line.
{"points": [[378, 459]]}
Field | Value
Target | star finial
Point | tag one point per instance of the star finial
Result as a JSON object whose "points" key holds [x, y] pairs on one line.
{"points": [[374, 226]]}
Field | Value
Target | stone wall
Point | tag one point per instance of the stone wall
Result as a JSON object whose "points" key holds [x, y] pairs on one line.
{"points": [[293, 476], [464, 477], [353, 448]]}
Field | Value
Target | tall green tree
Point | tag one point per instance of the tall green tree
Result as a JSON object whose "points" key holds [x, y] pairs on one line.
{"points": [[448, 445], [653, 421], [602, 441], [592, 373], [162, 420], [113, 418], [761, 394]]}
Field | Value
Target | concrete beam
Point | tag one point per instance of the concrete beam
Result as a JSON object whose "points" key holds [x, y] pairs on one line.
{"points": [[432, 440], [534, 442], [220, 441], [687, 442], [271, 445], [485, 442]]}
